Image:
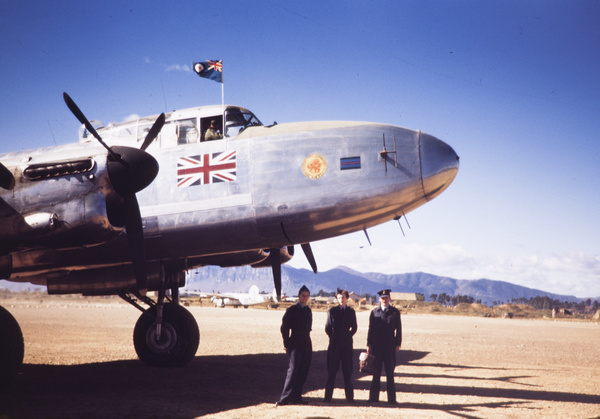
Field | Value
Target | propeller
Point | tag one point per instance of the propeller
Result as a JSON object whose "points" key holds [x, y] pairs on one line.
{"points": [[309, 256], [153, 133], [275, 258], [7, 180], [130, 170], [81, 117]]}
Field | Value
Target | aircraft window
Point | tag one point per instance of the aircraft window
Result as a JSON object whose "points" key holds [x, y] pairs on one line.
{"points": [[237, 121], [187, 132], [206, 123], [143, 131], [84, 135], [121, 131], [143, 127]]}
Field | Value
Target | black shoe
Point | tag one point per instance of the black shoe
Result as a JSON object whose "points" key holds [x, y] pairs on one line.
{"points": [[301, 401], [349, 400], [392, 402], [326, 400], [373, 401], [280, 403]]}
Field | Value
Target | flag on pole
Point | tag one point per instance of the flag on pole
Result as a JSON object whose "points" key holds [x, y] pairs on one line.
{"points": [[211, 69]]}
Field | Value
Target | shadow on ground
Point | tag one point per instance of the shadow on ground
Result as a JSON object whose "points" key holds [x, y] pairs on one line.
{"points": [[213, 384]]}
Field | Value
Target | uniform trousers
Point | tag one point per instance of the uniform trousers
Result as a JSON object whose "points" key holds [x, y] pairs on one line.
{"points": [[384, 357], [299, 363], [339, 353]]}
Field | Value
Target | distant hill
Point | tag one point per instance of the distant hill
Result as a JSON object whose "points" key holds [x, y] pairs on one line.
{"points": [[215, 279], [211, 278]]}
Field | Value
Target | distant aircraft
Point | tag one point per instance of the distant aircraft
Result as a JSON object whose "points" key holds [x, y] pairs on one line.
{"points": [[98, 217], [241, 299]]}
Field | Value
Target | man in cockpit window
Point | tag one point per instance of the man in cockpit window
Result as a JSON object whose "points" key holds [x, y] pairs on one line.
{"points": [[212, 133]]}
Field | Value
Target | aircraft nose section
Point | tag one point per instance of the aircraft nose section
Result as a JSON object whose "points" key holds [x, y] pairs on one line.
{"points": [[439, 165]]}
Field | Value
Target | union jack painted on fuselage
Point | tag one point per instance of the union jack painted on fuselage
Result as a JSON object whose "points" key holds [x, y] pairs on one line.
{"points": [[206, 168]]}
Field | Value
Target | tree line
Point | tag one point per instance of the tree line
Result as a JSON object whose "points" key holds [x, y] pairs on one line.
{"points": [[539, 303], [453, 300], [547, 303]]}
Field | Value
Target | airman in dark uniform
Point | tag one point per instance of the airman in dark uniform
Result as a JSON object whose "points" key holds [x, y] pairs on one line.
{"points": [[340, 327], [295, 329], [383, 341]]}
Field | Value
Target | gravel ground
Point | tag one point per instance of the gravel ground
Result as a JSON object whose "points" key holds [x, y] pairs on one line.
{"points": [[80, 363]]}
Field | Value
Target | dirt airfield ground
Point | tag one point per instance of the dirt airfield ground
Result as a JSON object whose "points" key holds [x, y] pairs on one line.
{"points": [[80, 363]]}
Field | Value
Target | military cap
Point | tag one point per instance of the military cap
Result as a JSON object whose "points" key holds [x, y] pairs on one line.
{"points": [[384, 293]]}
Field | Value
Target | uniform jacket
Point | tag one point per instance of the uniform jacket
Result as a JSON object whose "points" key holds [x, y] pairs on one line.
{"points": [[341, 324], [385, 328], [296, 326]]}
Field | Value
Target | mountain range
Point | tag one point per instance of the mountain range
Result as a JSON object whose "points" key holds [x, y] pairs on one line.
{"points": [[215, 279]]}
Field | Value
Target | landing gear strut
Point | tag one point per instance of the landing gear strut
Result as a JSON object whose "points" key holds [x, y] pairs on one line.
{"points": [[166, 334]]}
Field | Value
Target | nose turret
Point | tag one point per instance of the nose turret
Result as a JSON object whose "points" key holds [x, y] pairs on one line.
{"points": [[439, 165]]}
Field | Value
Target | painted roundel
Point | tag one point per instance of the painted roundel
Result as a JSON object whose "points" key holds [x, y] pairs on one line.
{"points": [[314, 166], [198, 68]]}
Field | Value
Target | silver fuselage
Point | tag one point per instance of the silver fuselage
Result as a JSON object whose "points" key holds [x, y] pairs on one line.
{"points": [[217, 202]]}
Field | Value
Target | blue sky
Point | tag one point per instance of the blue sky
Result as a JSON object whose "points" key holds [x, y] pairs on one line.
{"points": [[512, 86]]}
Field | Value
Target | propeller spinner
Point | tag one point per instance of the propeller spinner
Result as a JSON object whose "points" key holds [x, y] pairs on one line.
{"points": [[130, 170]]}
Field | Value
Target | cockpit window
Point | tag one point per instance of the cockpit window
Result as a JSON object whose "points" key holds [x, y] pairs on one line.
{"points": [[237, 121], [143, 127], [84, 135], [187, 131]]}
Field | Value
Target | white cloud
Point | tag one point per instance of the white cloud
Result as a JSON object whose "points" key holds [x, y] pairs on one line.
{"points": [[177, 67], [170, 67], [572, 273]]}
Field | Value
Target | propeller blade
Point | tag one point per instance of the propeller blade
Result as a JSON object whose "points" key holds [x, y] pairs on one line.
{"points": [[153, 133], [81, 117], [130, 170], [275, 258], [135, 237], [309, 256], [133, 171], [7, 180]]}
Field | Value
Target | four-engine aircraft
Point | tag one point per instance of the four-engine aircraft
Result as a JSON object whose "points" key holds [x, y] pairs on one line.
{"points": [[241, 299], [132, 206]]}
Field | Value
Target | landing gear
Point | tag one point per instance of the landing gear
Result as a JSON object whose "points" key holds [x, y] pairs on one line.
{"points": [[178, 340], [12, 348], [166, 334]]}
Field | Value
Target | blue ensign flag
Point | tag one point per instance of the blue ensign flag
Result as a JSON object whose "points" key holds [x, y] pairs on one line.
{"points": [[211, 69]]}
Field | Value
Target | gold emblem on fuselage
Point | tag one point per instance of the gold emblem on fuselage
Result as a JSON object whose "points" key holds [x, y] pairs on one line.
{"points": [[314, 166]]}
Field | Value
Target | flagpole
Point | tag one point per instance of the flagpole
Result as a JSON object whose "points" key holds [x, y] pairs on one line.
{"points": [[223, 102]]}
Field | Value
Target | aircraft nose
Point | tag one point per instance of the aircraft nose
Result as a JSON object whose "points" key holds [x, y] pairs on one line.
{"points": [[439, 165]]}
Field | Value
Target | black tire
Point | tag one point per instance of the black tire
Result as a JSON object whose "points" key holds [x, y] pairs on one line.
{"points": [[179, 337], [12, 348]]}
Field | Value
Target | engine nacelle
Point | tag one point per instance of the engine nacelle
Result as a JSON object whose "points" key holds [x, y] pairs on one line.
{"points": [[104, 281], [59, 205]]}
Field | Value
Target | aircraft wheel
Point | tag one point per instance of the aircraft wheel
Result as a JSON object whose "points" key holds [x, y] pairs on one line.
{"points": [[178, 342], [12, 348]]}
